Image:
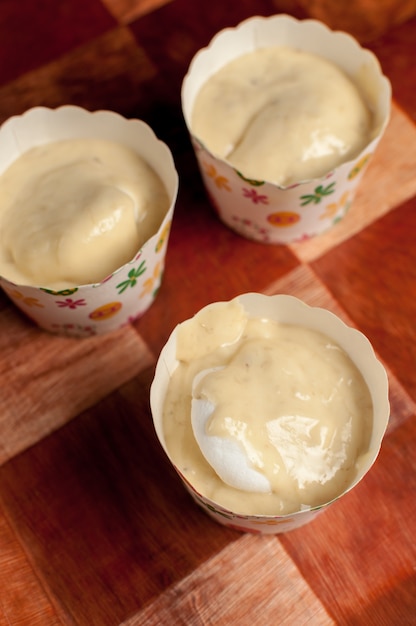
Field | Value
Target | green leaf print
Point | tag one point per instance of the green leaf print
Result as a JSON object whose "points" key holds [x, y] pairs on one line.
{"points": [[133, 275], [320, 192]]}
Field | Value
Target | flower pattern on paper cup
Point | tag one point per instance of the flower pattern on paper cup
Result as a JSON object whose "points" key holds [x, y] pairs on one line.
{"points": [[334, 209], [127, 293], [359, 166], [244, 204], [256, 524], [132, 278], [151, 284], [220, 181], [318, 194], [270, 214], [70, 303], [248, 227], [123, 296], [255, 197], [163, 236], [16, 295]]}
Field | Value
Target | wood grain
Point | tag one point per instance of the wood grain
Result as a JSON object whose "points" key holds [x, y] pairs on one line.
{"points": [[23, 600], [395, 51], [374, 276], [366, 541], [101, 499], [259, 585], [128, 10], [48, 380], [110, 72], [365, 19], [95, 526], [46, 34], [303, 283]]}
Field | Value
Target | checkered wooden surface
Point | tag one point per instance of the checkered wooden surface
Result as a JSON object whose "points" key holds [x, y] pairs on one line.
{"points": [[95, 528]]}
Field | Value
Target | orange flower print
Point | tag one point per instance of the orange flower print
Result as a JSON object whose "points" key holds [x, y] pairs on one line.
{"points": [[359, 166], [163, 236], [28, 301], [332, 209], [220, 181], [148, 284]]}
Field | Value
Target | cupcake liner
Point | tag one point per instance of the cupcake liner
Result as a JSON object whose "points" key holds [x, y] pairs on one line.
{"points": [[291, 310], [258, 209], [129, 291]]}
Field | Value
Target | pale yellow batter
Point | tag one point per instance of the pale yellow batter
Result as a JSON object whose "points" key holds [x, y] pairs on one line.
{"points": [[291, 398], [281, 115], [73, 211]]}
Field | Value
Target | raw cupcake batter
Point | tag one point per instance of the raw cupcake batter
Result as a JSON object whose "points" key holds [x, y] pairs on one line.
{"points": [[288, 397], [281, 115], [73, 211]]}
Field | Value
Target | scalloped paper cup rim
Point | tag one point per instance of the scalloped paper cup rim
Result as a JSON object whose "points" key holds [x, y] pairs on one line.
{"points": [[101, 307], [286, 309], [311, 36]]}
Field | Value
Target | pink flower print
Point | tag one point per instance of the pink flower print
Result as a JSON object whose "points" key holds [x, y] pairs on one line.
{"points": [[250, 229], [71, 330], [71, 304], [304, 237], [254, 196], [106, 279]]}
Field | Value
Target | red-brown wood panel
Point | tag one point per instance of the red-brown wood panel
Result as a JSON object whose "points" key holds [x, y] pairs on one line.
{"points": [[95, 526]]}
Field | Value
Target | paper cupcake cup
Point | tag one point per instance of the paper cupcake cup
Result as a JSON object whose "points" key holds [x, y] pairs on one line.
{"points": [[258, 209], [290, 310], [126, 294]]}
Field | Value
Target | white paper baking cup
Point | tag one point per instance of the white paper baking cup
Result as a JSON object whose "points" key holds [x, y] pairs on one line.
{"points": [[128, 292], [258, 209], [291, 310]]}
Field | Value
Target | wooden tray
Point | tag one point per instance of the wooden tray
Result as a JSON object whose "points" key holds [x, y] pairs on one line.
{"points": [[95, 528]]}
